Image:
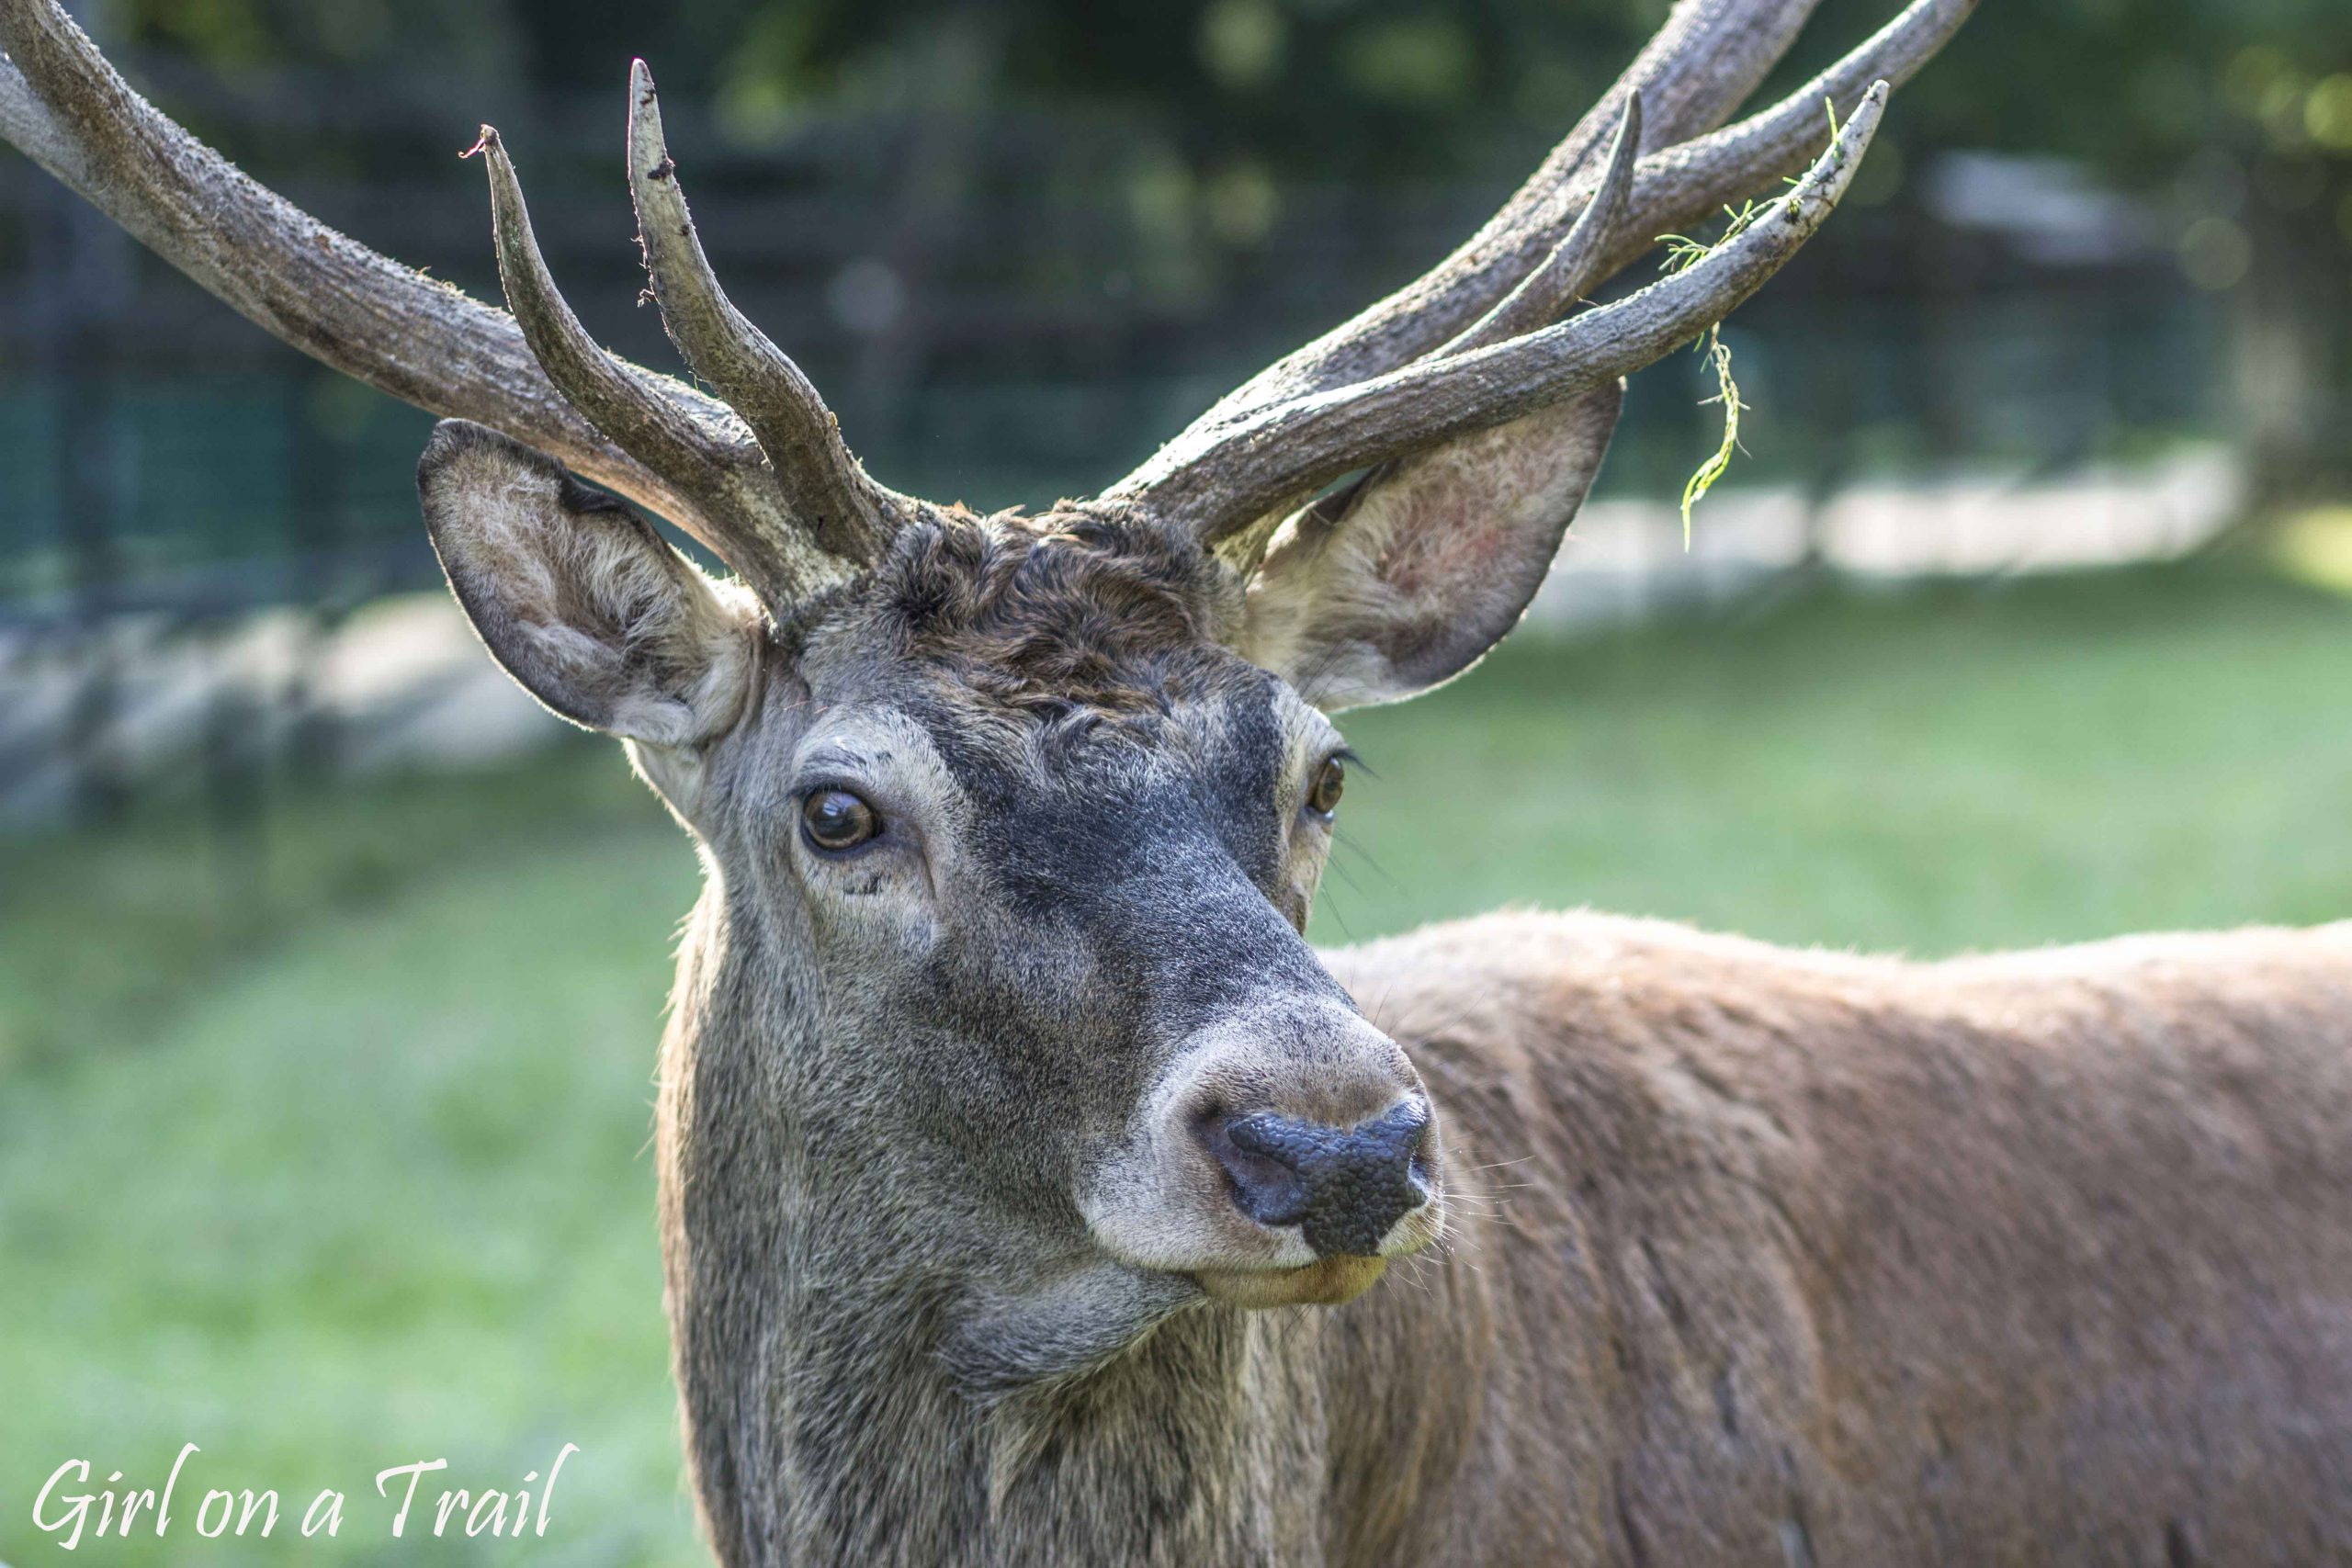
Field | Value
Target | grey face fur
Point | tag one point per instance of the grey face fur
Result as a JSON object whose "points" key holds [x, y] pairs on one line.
{"points": [[1074, 938], [1007, 1034]]}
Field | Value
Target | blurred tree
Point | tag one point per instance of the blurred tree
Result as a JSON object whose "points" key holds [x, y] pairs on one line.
{"points": [[1333, 89], [2232, 117], [456, 36]]}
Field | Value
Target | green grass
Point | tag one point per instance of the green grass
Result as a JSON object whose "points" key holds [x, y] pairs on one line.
{"points": [[341, 1165], [369, 1188], [1933, 771], [106, 934]]}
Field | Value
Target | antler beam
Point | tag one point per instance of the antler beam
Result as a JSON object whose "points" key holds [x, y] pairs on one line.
{"points": [[1672, 187], [1578, 221], [418, 339], [1707, 57], [772, 491], [1275, 460]]}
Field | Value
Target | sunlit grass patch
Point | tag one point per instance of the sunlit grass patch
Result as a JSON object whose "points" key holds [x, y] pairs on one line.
{"points": [[2315, 547]]}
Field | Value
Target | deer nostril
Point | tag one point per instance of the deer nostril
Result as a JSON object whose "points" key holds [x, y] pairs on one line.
{"points": [[1345, 1186], [1265, 1185]]}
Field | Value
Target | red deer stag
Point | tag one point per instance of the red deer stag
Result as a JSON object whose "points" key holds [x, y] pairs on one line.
{"points": [[1001, 1084]]}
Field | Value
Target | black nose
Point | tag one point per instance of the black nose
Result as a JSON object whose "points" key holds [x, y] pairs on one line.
{"points": [[1344, 1187]]}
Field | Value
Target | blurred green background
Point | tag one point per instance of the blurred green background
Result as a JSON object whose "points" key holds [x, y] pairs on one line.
{"points": [[325, 1070]]}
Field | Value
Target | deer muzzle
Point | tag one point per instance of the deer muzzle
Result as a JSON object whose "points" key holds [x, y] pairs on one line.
{"points": [[1284, 1158], [1345, 1188]]}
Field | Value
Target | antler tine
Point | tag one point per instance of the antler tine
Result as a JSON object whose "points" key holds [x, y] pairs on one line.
{"points": [[1708, 57], [337, 300], [1576, 262], [1636, 201], [1682, 184], [1575, 265], [1274, 459], [825, 487], [719, 464]]}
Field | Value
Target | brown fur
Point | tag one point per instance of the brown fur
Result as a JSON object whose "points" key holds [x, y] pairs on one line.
{"points": [[1794, 1256], [1054, 616]]}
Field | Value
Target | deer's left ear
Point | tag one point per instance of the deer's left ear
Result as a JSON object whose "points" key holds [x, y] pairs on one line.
{"points": [[577, 596], [1405, 580]]}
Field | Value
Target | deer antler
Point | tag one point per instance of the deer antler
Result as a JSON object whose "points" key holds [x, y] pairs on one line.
{"points": [[1233, 474], [1339, 402], [1706, 58], [764, 478], [785, 525], [828, 490], [716, 463]]}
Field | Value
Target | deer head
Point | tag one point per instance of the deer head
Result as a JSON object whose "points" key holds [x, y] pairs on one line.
{"points": [[1013, 822]]}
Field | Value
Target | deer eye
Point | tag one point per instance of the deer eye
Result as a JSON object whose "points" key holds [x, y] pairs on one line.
{"points": [[834, 821], [1330, 782]]}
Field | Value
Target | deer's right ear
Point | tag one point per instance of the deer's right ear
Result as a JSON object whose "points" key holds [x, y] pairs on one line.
{"points": [[579, 599]]}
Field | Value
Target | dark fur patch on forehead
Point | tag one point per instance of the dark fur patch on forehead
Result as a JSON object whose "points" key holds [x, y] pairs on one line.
{"points": [[1061, 616]]}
